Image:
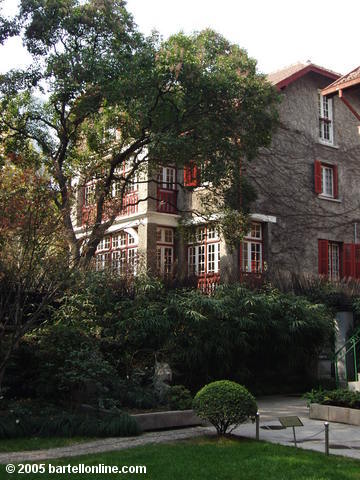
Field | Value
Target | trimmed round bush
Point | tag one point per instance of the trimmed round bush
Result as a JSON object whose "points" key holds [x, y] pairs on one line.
{"points": [[225, 405]]}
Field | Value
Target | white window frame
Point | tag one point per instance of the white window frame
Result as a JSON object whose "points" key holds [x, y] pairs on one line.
{"points": [[167, 178], [119, 251], [327, 186], [326, 121], [334, 261], [165, 259], [204, 255], [252, 250]]}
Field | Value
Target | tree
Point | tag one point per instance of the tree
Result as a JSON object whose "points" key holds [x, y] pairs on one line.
{"points": [[113, 96], [31, 255]]}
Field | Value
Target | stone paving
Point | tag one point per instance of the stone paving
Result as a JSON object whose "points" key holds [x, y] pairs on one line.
{"points": [[344, 439]]}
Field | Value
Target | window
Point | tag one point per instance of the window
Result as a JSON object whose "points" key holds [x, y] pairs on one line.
{"points": [[167, 178], [251, 250], [191, 174], [122, 175], [89, 194], [326, 179], [338, 260], [104, 244], [165, 250], [325, 119], [204, 254], [120, 253], [334, 261]]}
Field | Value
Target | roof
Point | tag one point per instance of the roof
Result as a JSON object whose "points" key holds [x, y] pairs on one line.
{"points": [[349, 80], [282, 78]]}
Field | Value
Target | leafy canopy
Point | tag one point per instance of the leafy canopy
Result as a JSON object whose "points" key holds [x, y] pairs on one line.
{"points": [[99, 94]]}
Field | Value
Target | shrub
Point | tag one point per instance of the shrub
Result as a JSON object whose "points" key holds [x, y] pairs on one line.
{"points": [[67, 425], [337, 398], [225, 404], [179, 398]]}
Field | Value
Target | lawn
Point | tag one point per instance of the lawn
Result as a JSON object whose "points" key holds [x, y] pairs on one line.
{"points": [[211, 459]]}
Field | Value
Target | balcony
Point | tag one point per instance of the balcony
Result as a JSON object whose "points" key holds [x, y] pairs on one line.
{"points": [[130, 207], [166, 200], [207, 283]]}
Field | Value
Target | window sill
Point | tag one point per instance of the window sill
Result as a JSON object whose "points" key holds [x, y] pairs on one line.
{"points": [[330, 199], [330, 145]]}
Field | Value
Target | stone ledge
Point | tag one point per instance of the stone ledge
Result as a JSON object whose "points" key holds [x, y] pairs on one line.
{"points": [[350, 416], [171, 419]]}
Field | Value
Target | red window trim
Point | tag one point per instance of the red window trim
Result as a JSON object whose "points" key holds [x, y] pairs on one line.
{"points": [[191, 175], [318, 177]]}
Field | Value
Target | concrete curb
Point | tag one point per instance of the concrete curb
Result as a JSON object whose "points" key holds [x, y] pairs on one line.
{"points": [[349, 416], [170, 419]]}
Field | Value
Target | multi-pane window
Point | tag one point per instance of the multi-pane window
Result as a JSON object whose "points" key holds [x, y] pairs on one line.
{"points": [[118, 252], [104, 244], [89, 194], [165, 250], [326, 127], [326, 179], [334, 261], [167, 178], [122, 175], [102, 260], [204, 253], [251, 253]]}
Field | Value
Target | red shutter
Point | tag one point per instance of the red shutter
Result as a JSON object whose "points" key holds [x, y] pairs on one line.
{"points": [[348, 260], [336, 181], [191, 175], [357, 260], [323, 247], [317, 174]]}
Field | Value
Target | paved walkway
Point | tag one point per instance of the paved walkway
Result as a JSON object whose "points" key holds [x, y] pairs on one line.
{"points": [[344, 439]]}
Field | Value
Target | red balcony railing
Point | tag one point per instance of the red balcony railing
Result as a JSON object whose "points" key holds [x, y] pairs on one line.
{"points": [[166, 201], [207, 283], [130, 206]]}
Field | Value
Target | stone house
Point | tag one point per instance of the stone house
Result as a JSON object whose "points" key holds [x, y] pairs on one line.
{"points": [[306, 217]]}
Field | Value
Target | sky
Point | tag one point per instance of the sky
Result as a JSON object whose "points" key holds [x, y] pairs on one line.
{"points": [[275, 32]]}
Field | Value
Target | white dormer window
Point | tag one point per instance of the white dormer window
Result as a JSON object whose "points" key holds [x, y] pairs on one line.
{"points": [[326, 125]]}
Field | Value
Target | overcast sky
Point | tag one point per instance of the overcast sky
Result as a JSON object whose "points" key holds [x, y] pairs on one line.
{"points": [[275, 32]]}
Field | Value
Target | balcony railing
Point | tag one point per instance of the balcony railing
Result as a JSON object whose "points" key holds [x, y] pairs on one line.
{"points": [[166, 201], [130, 206], [207, 283]]}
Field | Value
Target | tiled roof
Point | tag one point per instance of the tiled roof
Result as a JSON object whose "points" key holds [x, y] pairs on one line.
{"points": [[349, 80], [287, 75]]}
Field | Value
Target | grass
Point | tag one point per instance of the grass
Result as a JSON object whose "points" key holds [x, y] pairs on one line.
{"points": [[207, 458], [35, 443]]}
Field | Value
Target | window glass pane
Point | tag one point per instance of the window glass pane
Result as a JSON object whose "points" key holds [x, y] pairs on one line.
{"points": [[169, 235], [201, 258], [119, 240]]}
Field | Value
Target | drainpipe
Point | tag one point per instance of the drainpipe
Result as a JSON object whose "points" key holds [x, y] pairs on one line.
{"points": [[355, 232]]}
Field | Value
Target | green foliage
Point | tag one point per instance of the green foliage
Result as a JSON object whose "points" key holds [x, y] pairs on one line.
{"points": [[179, 398], [197, 95], [72, 366], [102, 341], [16, 425], [338, 398], [225, 405], [344, 293]]}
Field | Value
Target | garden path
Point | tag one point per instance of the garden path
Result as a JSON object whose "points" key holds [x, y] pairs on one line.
{"points": [[344, 439]]}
